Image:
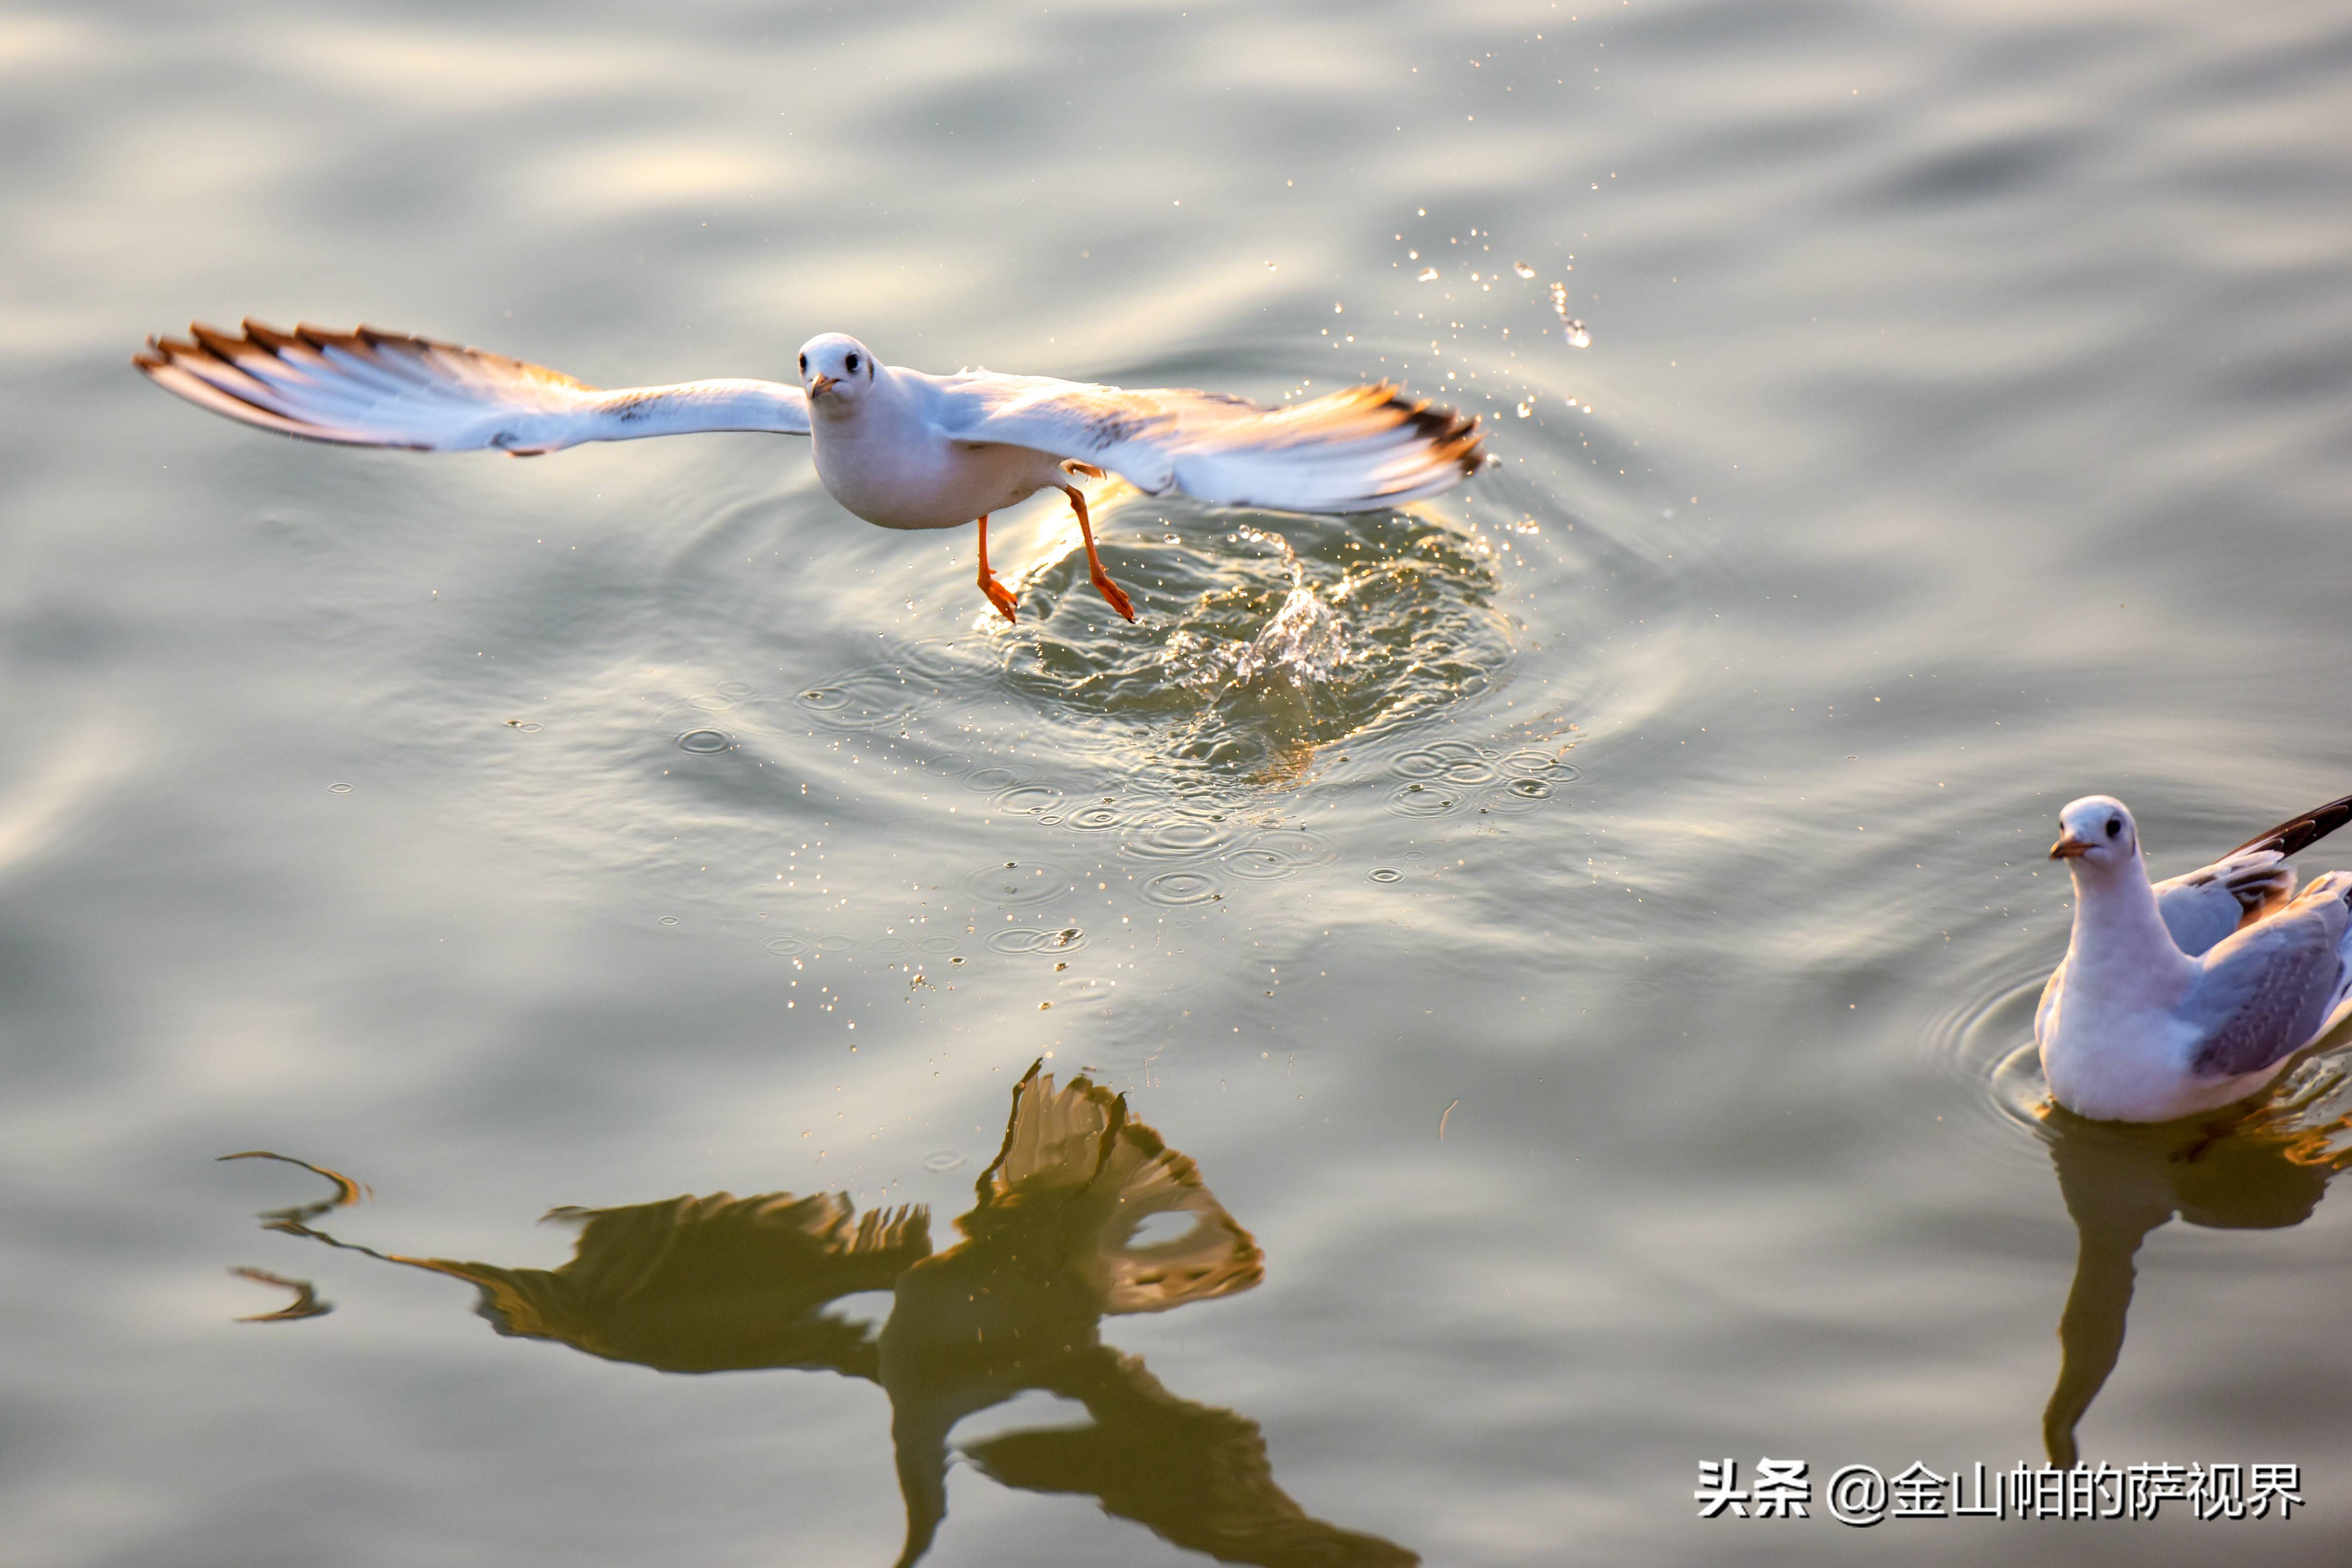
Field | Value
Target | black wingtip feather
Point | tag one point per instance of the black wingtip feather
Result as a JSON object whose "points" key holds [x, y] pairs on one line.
{"points": [[2300, 832], [1454, 434]]}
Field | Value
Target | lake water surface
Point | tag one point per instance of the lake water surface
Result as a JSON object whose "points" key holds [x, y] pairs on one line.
{"points": [[1563, 946]]}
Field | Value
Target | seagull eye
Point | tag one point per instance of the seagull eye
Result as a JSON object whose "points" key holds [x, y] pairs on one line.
{"points": [[2114, 826], [853, 361], [803, 365]]}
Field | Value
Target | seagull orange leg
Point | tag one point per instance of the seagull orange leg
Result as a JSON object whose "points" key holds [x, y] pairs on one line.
{"points": [[996, 590], [1103, 584]]}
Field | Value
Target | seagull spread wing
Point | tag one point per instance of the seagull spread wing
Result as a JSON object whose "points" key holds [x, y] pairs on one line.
{"points": [[2268, 991], [370, 388], [1358, 450]]}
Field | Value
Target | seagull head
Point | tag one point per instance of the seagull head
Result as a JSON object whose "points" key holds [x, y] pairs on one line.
{"points": [[2096, 834], [835, 371]]}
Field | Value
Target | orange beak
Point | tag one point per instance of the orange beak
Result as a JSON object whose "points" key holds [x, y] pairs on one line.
{"points": [[816, 387], [2069, 847]]}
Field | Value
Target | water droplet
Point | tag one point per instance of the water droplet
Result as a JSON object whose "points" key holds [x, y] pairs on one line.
{"points": [[785, 946], [1428, 275], [1578, 338], [1523, 270], [669, 920], [341, 788], [1387, 875], [1526, 409], [703, 741], [943, 1160]]}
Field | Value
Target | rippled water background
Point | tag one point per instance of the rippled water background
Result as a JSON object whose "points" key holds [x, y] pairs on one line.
{"points": [[1580, 952]]}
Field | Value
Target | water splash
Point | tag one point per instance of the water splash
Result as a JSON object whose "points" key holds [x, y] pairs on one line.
{"points": [[1304, 642], [1375, 620]]}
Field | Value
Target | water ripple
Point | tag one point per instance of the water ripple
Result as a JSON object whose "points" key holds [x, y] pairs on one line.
{"points": [[1037, 938], [1017, 884], [1176, 889]]}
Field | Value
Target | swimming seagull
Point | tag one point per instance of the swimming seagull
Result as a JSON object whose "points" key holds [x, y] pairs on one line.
{"points": [[2195, 992], [898, 448]]}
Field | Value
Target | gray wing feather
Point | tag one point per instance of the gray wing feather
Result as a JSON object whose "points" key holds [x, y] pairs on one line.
{"points": [[2264, 993], [2206, 905]]}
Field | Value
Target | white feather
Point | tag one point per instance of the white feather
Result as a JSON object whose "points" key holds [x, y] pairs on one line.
{"points": [[370, 388]]}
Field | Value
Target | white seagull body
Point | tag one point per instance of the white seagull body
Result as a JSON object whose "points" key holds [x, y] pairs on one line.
{"points": [[898, 448], [2183, 996]]}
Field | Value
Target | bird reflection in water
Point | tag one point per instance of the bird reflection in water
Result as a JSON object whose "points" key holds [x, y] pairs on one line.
{"points": [[2265, 1170], [1084, 1212]]}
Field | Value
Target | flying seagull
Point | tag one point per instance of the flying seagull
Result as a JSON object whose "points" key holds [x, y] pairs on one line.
{"points": [[2190, 994], [898, 448]]}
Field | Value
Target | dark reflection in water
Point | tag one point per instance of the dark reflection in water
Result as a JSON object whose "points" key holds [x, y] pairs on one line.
{"points": [[2265, 1171], [1084, 1213]]}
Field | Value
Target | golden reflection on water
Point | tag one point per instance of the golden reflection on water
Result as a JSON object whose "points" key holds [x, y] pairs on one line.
{"points": [[2266, 1170], [1085, 1212], [347, 1191], [307, 1302]]}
